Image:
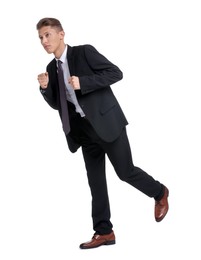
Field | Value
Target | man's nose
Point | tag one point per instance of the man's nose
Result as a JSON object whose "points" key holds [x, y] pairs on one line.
{"points": [[43, 41]]}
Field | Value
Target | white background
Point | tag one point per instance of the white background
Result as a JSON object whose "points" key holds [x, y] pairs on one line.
{"points": [[45, 203]]}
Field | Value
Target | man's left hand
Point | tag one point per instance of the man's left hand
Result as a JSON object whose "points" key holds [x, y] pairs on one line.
{"points": [[74, 81]]}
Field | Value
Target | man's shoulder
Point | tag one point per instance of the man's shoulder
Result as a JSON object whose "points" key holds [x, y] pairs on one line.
{"points": [[82, 47], [84, 50]]}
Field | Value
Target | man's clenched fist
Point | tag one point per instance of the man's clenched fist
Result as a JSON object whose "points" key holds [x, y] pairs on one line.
{"points": [[43, 80]]}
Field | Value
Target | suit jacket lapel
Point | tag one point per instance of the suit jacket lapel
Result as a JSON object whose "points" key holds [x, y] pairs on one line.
{"points": [[70, 60]]}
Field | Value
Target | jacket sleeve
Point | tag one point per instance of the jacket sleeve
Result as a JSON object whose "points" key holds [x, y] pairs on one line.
{"points": [[50, 93], [104, 73]]}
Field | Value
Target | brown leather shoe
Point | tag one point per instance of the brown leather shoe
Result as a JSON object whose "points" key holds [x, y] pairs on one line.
{"points": [[99, 240], [161, 206]]}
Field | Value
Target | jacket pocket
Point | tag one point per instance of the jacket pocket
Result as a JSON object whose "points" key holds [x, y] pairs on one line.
{"points": [[104, 110]]}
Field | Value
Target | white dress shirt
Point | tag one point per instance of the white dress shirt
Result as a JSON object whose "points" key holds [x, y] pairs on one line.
{"points": [[70, 93]]}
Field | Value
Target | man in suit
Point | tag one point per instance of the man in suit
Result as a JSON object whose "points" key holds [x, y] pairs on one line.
{"points": [[96, 123]]}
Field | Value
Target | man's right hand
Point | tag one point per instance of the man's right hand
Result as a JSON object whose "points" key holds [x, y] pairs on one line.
{"points": [[43, 80]]}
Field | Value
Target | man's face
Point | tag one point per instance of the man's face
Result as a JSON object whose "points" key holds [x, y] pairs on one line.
{"points": [[51, 38]]}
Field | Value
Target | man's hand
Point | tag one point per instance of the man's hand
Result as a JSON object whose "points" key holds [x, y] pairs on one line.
{"points": [[74, 81], [43, 80]]}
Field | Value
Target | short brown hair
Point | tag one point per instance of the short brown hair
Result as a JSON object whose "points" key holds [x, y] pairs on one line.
{"points": [[53, 22]]}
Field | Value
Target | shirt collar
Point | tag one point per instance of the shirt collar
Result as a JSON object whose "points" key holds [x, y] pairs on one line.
{"points": [[63, 56]]}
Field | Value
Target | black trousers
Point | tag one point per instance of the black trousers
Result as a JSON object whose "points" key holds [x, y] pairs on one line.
{"points": [[119, 153]]}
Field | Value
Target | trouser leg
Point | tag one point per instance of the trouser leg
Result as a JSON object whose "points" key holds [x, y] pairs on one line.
{"points": [[94, 158], [119, 153]]}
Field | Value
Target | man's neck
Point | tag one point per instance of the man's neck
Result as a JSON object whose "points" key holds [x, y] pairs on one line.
{"points": [[60, 50]]}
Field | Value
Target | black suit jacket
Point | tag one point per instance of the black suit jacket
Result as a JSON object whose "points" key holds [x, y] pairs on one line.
{"points": [[96, 73]]}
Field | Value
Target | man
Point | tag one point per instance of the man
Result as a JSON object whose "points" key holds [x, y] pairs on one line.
{"points": [[93, 120]]}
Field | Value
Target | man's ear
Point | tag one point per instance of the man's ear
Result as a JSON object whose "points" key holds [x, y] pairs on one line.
{"points": [[62, 34]]}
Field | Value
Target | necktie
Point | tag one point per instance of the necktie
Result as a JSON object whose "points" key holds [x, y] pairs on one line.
{"points": [[63, 101]]}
